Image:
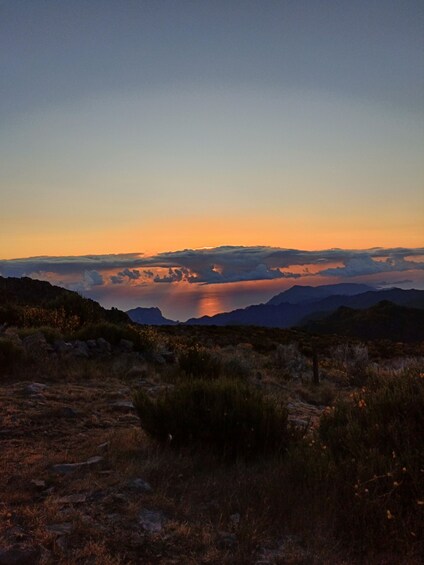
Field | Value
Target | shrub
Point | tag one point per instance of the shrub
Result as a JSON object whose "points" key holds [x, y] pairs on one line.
{"points": [[237, 367], [354, 361], [199, 362], [144, 339], [287, 357], [225, 416], [376, 442], [51, 334]]}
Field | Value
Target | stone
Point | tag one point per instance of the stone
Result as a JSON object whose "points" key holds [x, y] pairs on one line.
{"points": [[104, 446], [151, 520], [235, 519], [103, 345], [227, 540], [61, 346], [68, 412], [65, 468], [124, 405], [73, 499], [34, 389], [60, 529], [158, 359], [80, 349], [169, 356], [126, 345], [140, 485], [136, 372], [92, 344], [36, 340], [38, 483]]}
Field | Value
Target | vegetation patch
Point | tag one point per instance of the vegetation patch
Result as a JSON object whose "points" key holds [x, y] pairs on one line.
{"points": [[224, 415]]}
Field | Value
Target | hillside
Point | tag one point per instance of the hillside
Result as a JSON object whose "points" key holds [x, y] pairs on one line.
{"points": [[29, 302], [385, 320]]}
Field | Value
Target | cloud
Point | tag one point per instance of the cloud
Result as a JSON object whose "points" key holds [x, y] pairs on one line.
{"points": [[174, 275], [132, 274], [219, 265], [366, 265], [93, 278], [69, 264]]}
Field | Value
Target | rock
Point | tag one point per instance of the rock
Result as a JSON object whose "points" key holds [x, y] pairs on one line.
{"points": [[34, 389], [18, 555], [124, 405], [137, 372], [104, 446], [227, 540], [38, 483], [65, 468], [103, 345], [235, 519], [60, 529], [68, 412], [151, 520], [73, 499], [126, 345], [80, 349], [61, 346], [91, 343], [36, 344], [158, 359], [140, 485]]}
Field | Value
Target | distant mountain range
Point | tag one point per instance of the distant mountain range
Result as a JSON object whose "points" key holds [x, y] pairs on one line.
{"points": [[149, 316], [297, 293], [298, 304]]}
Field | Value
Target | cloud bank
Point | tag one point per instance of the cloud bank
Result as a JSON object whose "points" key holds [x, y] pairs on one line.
{"points": [[220, 265]]}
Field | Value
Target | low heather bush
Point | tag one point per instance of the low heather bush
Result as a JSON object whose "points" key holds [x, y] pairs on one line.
{"points": [[222, 415], [375, 444]]}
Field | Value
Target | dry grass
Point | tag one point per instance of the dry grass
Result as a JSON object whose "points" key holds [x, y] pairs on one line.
{"points": [[212, 512]]}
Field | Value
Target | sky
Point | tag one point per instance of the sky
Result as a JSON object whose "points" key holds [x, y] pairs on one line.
{"points": [[145, 129]]}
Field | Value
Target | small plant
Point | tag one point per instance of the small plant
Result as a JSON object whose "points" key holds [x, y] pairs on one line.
{"points": [[223, 415], [199, 362]]}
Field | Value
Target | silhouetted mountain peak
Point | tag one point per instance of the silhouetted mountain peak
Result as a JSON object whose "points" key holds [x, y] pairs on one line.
{"points": [[151, 316], [298, 293]]}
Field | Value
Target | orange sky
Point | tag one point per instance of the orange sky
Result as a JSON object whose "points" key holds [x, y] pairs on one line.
{"points": [[307, 233]]}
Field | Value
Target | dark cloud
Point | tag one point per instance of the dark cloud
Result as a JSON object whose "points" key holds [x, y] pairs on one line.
{"points": [[69, 265], [174, 275], [132, 274], [366, 265]]}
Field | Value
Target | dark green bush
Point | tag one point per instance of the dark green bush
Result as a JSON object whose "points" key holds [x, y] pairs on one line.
{"points": [[375, 444], [200, 362], [51, 334], [237, 367], [113, 333], [144, 339], [225, 416]]}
